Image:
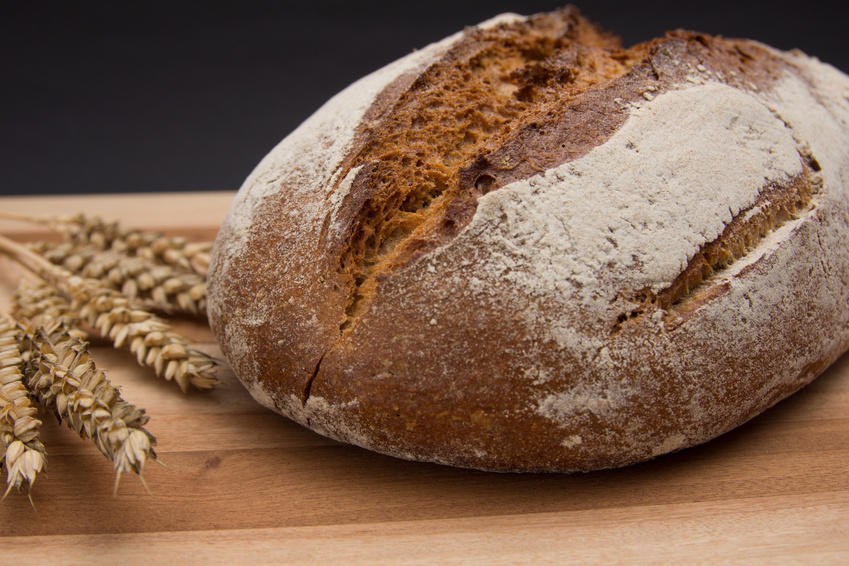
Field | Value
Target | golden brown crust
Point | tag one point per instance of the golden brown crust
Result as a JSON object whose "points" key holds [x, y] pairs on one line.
{"points": [[375, 301], [502, 105]]}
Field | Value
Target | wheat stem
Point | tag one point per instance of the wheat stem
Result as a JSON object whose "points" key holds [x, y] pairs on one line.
{"points": [[43, 220], [28, 259]]}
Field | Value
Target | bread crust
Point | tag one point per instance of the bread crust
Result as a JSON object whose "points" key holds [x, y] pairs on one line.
{"points": [[500, 344]]}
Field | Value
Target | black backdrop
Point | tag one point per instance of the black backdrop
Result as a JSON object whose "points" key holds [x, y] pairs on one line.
{"points": [[115, 97]]}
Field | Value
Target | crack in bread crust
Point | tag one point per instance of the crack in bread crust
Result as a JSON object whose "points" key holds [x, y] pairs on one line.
{"points": [[777, 204]]}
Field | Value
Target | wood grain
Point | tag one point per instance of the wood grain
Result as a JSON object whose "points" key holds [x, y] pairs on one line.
{"points": [[243, 485]]}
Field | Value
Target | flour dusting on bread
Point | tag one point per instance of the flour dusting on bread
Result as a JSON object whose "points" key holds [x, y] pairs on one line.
{"points": [[317, 147], [528, 248], [632, 212]]}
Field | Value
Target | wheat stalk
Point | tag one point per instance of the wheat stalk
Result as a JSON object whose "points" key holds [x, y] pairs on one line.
{"points": [[21, 450], [66, 380], [125, 322], [160, 249], [159, 287]]}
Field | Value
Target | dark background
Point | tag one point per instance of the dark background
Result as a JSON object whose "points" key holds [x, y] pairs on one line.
{"points": [[115, 97]]}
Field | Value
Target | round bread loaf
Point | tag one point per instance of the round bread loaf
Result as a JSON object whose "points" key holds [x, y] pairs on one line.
{"points": [[527, 248]]}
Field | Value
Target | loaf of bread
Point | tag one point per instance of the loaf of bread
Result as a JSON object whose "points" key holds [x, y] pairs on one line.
{"points": [[527, 248]]}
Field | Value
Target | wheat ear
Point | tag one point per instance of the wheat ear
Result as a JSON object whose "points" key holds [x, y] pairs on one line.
{"points": [[125, 322], [149, 337], [154, 246], [160, 287], [21, 450], [40, 304], [66, 380]]}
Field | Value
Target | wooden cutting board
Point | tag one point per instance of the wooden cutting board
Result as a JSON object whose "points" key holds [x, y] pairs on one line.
{"points": [[245, 486]]}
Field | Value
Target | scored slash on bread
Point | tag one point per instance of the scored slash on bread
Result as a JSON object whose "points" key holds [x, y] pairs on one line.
{"points": [[528, 248]]}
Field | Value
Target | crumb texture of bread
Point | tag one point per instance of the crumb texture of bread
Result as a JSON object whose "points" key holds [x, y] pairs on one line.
{"points": [[527, 248]]}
